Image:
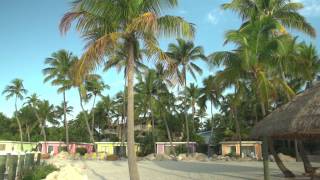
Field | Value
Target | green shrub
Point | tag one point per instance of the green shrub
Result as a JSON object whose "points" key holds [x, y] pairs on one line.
{"points": [[62, 148], [39, 172], [81, 150], [181, 149]]}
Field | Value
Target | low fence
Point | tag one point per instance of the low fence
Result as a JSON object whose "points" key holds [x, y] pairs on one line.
{"points": [[12, 166]]}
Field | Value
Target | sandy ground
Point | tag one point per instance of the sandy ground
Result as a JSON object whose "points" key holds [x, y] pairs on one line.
{"points": [[181, 170]]}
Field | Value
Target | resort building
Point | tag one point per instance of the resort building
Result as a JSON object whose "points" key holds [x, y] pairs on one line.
{"points": [[55, 147], [164, 147], [113, 148], [10, 146], [248, 148]]}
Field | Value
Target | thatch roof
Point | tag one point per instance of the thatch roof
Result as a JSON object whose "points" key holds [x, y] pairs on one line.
{"points": [[299, 118]]}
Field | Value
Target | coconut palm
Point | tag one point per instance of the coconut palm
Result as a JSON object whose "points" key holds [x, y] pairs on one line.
{"points": [[95, 86], [105, 24], [184, 54], [283, 13], [16, 90], [34, 101], [59, 73], [193, 95]]}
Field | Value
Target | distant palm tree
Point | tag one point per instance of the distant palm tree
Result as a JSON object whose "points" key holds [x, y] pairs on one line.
{"points": [[193, 94], [59, 73], [34, 101], [95, 86], [106, 24], [16, 90], [184, 54]]}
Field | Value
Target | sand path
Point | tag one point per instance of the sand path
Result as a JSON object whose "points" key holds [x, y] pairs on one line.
{"points": [[182, 170]]}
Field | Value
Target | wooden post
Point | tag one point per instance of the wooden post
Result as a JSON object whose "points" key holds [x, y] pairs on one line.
{"points": [[12, 167], [29, 160], [20, 167], [3, 162], [265, 156], [38, 159]]}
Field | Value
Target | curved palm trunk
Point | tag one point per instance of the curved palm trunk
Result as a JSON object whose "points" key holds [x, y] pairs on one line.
{"points": [[43, 132], [133, 168], [169, 136], [86, 118], [282, 167], [65, 119], [19, 124], [186, 113], [304, 158], [92, 111]]}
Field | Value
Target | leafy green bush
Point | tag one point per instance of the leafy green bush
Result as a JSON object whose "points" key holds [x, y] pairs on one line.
{"points": [[81, 150], [181, 149], [39, 172], [62, 148]]}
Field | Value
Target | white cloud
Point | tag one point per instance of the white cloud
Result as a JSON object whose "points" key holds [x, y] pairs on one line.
{"points": [[213, 17]]}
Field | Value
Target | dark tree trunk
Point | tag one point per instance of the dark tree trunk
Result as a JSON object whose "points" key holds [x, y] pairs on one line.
{"points": [[306, 163], [282, 167], [86, 118]]}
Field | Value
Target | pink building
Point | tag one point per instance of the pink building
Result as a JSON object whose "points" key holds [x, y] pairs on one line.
{"points": [[164, 147], [55, 146]]}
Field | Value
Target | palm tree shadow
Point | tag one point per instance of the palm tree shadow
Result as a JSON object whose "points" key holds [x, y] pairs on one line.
{"points": [[214, 169]]}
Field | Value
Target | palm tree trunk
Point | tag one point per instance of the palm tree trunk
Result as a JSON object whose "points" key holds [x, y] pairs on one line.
{"points": [[237, 128], [193, 114], [211, 136], [123, 119], [41, 126], [133, 168], [86, 118], [306, 163], [186, 112], [65, 119], [153, 133], [169, 136], [28, 133], [282, 167], [19, 124], [92, 111]]}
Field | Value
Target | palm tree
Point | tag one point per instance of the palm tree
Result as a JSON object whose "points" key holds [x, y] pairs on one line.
{"points": [[132, 22], [16, 90], [61, 110], [193, 95], [283, 13], [184, 54], [34, 101], [211, 92], [95, 86], [59, 73]]}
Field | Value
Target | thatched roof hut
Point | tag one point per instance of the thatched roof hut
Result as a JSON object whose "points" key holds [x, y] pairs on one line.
{"points": [[299, 118]]}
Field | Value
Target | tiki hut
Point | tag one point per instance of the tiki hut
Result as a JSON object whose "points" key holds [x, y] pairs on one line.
{"points": [[297, 120]]}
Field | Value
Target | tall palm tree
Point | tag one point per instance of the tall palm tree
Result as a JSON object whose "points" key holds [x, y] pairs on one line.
{"points": [[105, 24], [34, 101], [59, 73], [183, 54], [16, 90]]}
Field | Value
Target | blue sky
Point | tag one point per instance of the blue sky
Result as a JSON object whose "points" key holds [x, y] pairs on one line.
{"points": [[29, 33]]}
